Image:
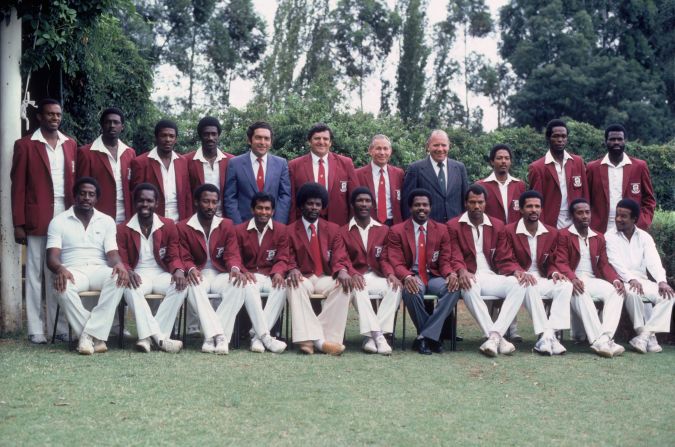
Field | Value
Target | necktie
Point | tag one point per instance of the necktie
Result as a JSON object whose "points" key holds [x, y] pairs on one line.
{"points": [[381, 199], [422, 257], [441, 176], [322, 174], [260, 179], [315, 251]]}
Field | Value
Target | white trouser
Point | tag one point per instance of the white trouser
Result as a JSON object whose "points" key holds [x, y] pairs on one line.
{"points": [[331, 322], [661, 312], [386, 312], [276, 297], [598, 290], [35, 269], [96, 323], [560, 293], [506, 287]]}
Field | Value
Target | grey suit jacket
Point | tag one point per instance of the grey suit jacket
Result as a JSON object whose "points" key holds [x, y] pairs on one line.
{"points": [[445, 204]]}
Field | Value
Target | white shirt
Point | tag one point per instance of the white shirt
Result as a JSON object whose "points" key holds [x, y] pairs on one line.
{"points": [[146, 256], [585, 267], [633, 259], [482, 264], [416, 229], [564, 220], [212, 173], [532, 242], [615, 177], [169, 184], [261, 235], [56, 166], [194, 223], [80, 246], [503, 190], [315, 167], [99, 146], [363, 232], [308, 230], [376, 183], [437, 169]]}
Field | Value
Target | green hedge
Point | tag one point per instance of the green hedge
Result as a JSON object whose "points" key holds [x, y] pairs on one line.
{"points": [[663, 232]]}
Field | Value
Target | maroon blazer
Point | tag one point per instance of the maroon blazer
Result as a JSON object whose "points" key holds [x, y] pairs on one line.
{"points": [[637, 185], [97, 164], [543, 178], [333, 253], [373, 257], [165, 246], [402, 245], [146, 169], [520, 248], [494, 207], [364, 177], [223, 246], [567, 256], [196, 171], [341, 183], [32, 186], [268, 257], [495, 247]]}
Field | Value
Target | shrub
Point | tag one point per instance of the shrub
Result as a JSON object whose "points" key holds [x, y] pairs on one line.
{"points": [[663, 232]]}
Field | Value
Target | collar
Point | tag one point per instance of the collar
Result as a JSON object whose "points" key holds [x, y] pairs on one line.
{"points": [[252, 226], [135, 225], [376, 169], [155, 156], [70, 212], [548, 159], [416, 227], [316, 158], [98, 146], [625, 161], [520, 229], [434, 163], [573, 230], [373, 223], [194, 223], [465, 219], [254, 159], [493, 178], [199, 155], [37, 136]]}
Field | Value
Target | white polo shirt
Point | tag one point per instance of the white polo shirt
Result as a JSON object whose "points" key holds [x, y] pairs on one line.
{"points": [[212, 173], [585, 267], [532, 242], [194, 223], [261, 235], [482, 264], [99, 146], [503, 190], [633, 259], [146, 255], [363, 232], [169, 184], [56, 167], [615, 180], [80, 246], [564, 220]]}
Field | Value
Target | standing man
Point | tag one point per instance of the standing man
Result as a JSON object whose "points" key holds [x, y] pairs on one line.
{"points": [[318, 263], [208, 164], [421, 255], [558, 176], [617, 176], [366, 243], [108, 160], [332, 171], [383, 180], [43, 175], [444, 178], [503, 190], [633, 254], [256, 171], [482, 244], [168, 171], [581, 258]]}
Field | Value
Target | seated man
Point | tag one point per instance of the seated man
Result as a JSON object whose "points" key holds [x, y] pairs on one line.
{"points": [[149, 248], [533, 243], [632, 253], [80, 246], [318, 263], [580, 256], [210, 250], [482, 244], [365, 241], [421, 255], [264, 252]]}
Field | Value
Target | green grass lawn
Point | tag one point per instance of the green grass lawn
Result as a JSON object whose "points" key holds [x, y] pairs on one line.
{"points": [[49, 396]]}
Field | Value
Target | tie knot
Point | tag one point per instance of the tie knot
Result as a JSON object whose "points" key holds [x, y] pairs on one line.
{"points": [[312, 227], [381, 171], [259, 160], [421, 229], [440, 164], [320, 161]]}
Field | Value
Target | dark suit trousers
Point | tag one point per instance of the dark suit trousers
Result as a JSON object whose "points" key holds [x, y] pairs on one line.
{"points": [[431, 325]]}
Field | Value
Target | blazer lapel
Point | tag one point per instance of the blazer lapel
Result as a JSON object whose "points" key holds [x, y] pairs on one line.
{"points": [[323, 240], [627, 171], [468, 237], [105, 161], [222, 168], [604, 180], [550, 167], [42, 151], [488, 250], [332, 168], [157, 170], [248, 172], [308, 168], [409, 229], [525, 245], [136, 237]]}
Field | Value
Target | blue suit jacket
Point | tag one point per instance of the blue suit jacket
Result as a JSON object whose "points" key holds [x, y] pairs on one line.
{"points": [[240, 186], [444, 204]]}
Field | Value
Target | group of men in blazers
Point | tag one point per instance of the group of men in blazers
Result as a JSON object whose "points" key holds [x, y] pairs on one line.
{"points": [[212, 225]]}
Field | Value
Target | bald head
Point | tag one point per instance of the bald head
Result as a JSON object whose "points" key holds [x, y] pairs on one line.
{"points": [[438, 145]]}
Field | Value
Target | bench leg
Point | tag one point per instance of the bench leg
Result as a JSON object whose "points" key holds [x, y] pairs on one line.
{"points": [[56, 320]]}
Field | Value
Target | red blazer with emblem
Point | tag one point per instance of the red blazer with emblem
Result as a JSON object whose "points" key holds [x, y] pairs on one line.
{"points": [[520, 248], [364, 177], [165, 246], [333, 253], [341, 183], [373, 257], [637, 185], [196, 171], [402, 245], [97, 164], [223, 246], [146, 169], [32, 187], [543, 178], [268, 257], [495, 248], [567, 256], [493, 204]]}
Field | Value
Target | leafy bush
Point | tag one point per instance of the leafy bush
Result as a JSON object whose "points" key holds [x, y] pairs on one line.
{"points": [[663, 232]]}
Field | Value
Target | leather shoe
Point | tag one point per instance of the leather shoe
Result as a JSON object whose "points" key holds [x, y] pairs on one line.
{"points": [[459, 338], [423, 347], [435, 346], [331, 348]]}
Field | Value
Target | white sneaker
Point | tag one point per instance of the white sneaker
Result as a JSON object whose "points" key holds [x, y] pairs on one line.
{"points": [[556, 347], [616, 348], [144, 345], [99, 346], [639, 344], [383, 347], [602, 349], [222, 347], [544, 346], [86, 345], [171, 346], [506, 347], [369, 345], [490, 347], [209, 346], [257, 345], [272, 344], [653, 344]]}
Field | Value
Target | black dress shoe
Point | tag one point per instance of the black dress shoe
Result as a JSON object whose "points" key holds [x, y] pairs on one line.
{"points": [[435, 346], [423, 347], [459, 338]]}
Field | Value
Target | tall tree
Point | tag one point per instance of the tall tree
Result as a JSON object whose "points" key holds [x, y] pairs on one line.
{"points": [[496, 81], [410, 82]]}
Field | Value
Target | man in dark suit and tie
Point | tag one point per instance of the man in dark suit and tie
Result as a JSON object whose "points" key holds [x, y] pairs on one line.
{"points": [[446, 179]]}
